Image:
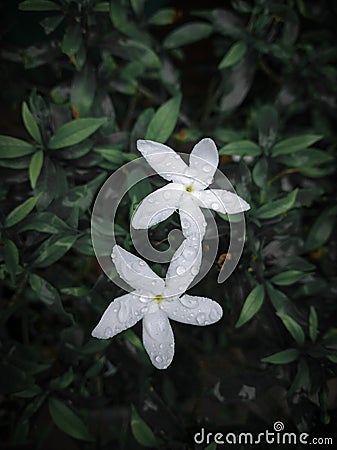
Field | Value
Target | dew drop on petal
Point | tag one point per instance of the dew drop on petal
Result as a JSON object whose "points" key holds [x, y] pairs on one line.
{"points": [[167, 195], [108, 332], [150, 199], [141, 263], [158, 359], [194, 270], [214, 314], [189, 302], [117, 329], [181, 270], [215, 206], [207, 168], [144, 309], [161, 346], [201, 317]]}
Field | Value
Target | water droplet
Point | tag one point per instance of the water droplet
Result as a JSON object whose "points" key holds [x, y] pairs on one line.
{"points": [[171, 345], [124, 312], [215, 206], [189, 302], [158, 359], [214, 314], [201, 317], [150, 199], [154, 282], [185, 224], [108, 332], [194, 270], [167, 195], [207, 168], [117, 329], [144, 309], [144, 299], [181, 270], [189, 253], [176, 156], [141, 263], [181, 288], [161, 346]]}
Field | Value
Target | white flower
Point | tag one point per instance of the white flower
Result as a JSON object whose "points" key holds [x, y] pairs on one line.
{"points": [[156, 300], [187, 191]]}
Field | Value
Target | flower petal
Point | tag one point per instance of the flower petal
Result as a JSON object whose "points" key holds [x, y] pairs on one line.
{"points": [[204, 160], [193, 310], [158, 339], [122, 313], [221, 201], [157, 206], [183, 268], [165, 161], [193, 222], [136, 272]]}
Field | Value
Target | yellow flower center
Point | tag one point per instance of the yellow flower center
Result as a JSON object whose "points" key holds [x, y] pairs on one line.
{"points": [[189, 188], [158, 298]]}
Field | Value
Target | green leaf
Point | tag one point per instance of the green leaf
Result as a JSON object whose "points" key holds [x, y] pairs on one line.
{"points": [[186, 34], [293, 327], [211, 446], [137, 6], [234, 55], [141, 431], [67, 421], [313, 324], [321, 229], [82, 196], [260, 172], [131, 336], [12, 379], [35, 167], [45, 222], [11, 257], [267, 122], [163, 16], [30, 123], [74, 132], [49, 24], [63, 381], [72, 40], [39, 5], [241, 148], [251, 306], [277, 207], [283, 357], [163, 122], [302, 378], [305, 159], [118, 15], [83, 91], [52, 249], [21, 211], [294, 144], [101, 7], [287, 278], [11, 147]]}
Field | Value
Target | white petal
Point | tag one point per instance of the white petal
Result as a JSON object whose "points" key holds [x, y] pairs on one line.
{"points": [[220, 200], [158, 339], [193, 222], [165, 161], [193, 310], [183, 268], [122, 313], [157, 206], [136, 272], [204, 160]]}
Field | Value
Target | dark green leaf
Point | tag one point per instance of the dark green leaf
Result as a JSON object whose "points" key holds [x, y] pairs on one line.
{"points": [[163, 16], [294, 144], [138, 6], [187, 34], [283, 357], [11, 147], [72, 40], [45, 222], [251, 306], [63, 381], [141, 431], [234, 55], [241, 148], [82, 196], [83, 91], [302, 378], [288, 277], [30, 123], [52, 249], [39, 5], [101, 7], [313, 324], [67, 421], [293, 327], [260, 172], [12, 379], [35, 167], [11, 257], [49, 24], [118, 15], [73, 132], [21, 211], [321, 229], [163, 122], [277, 207], [267, 124], [306, 158]]}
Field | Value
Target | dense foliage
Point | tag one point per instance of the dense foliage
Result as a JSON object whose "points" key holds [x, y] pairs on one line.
{"points": [[81, 82]]}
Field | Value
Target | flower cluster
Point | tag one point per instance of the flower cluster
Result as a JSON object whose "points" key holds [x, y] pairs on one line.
{"points": [[155, 300]]}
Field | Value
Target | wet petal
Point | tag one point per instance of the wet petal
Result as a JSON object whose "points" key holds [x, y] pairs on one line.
{"points": [[204, 160], [121, 314], [165, 161], [136, 272], [193, 310], [158, 339], [193, 222], [221, 201], [183, 268], [157, 206]]}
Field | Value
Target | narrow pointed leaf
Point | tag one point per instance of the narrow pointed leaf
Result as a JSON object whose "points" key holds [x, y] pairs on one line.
{"points": [[30, 123], [277, 207], [287, 278], [35, 167], [73, 132], [163, 122], [313, 324], [234, 55], [283, 357], [11, 147], [20, 212], [293, 327], [251, 306], [187, 34], [294, 144], [141, 431]]}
